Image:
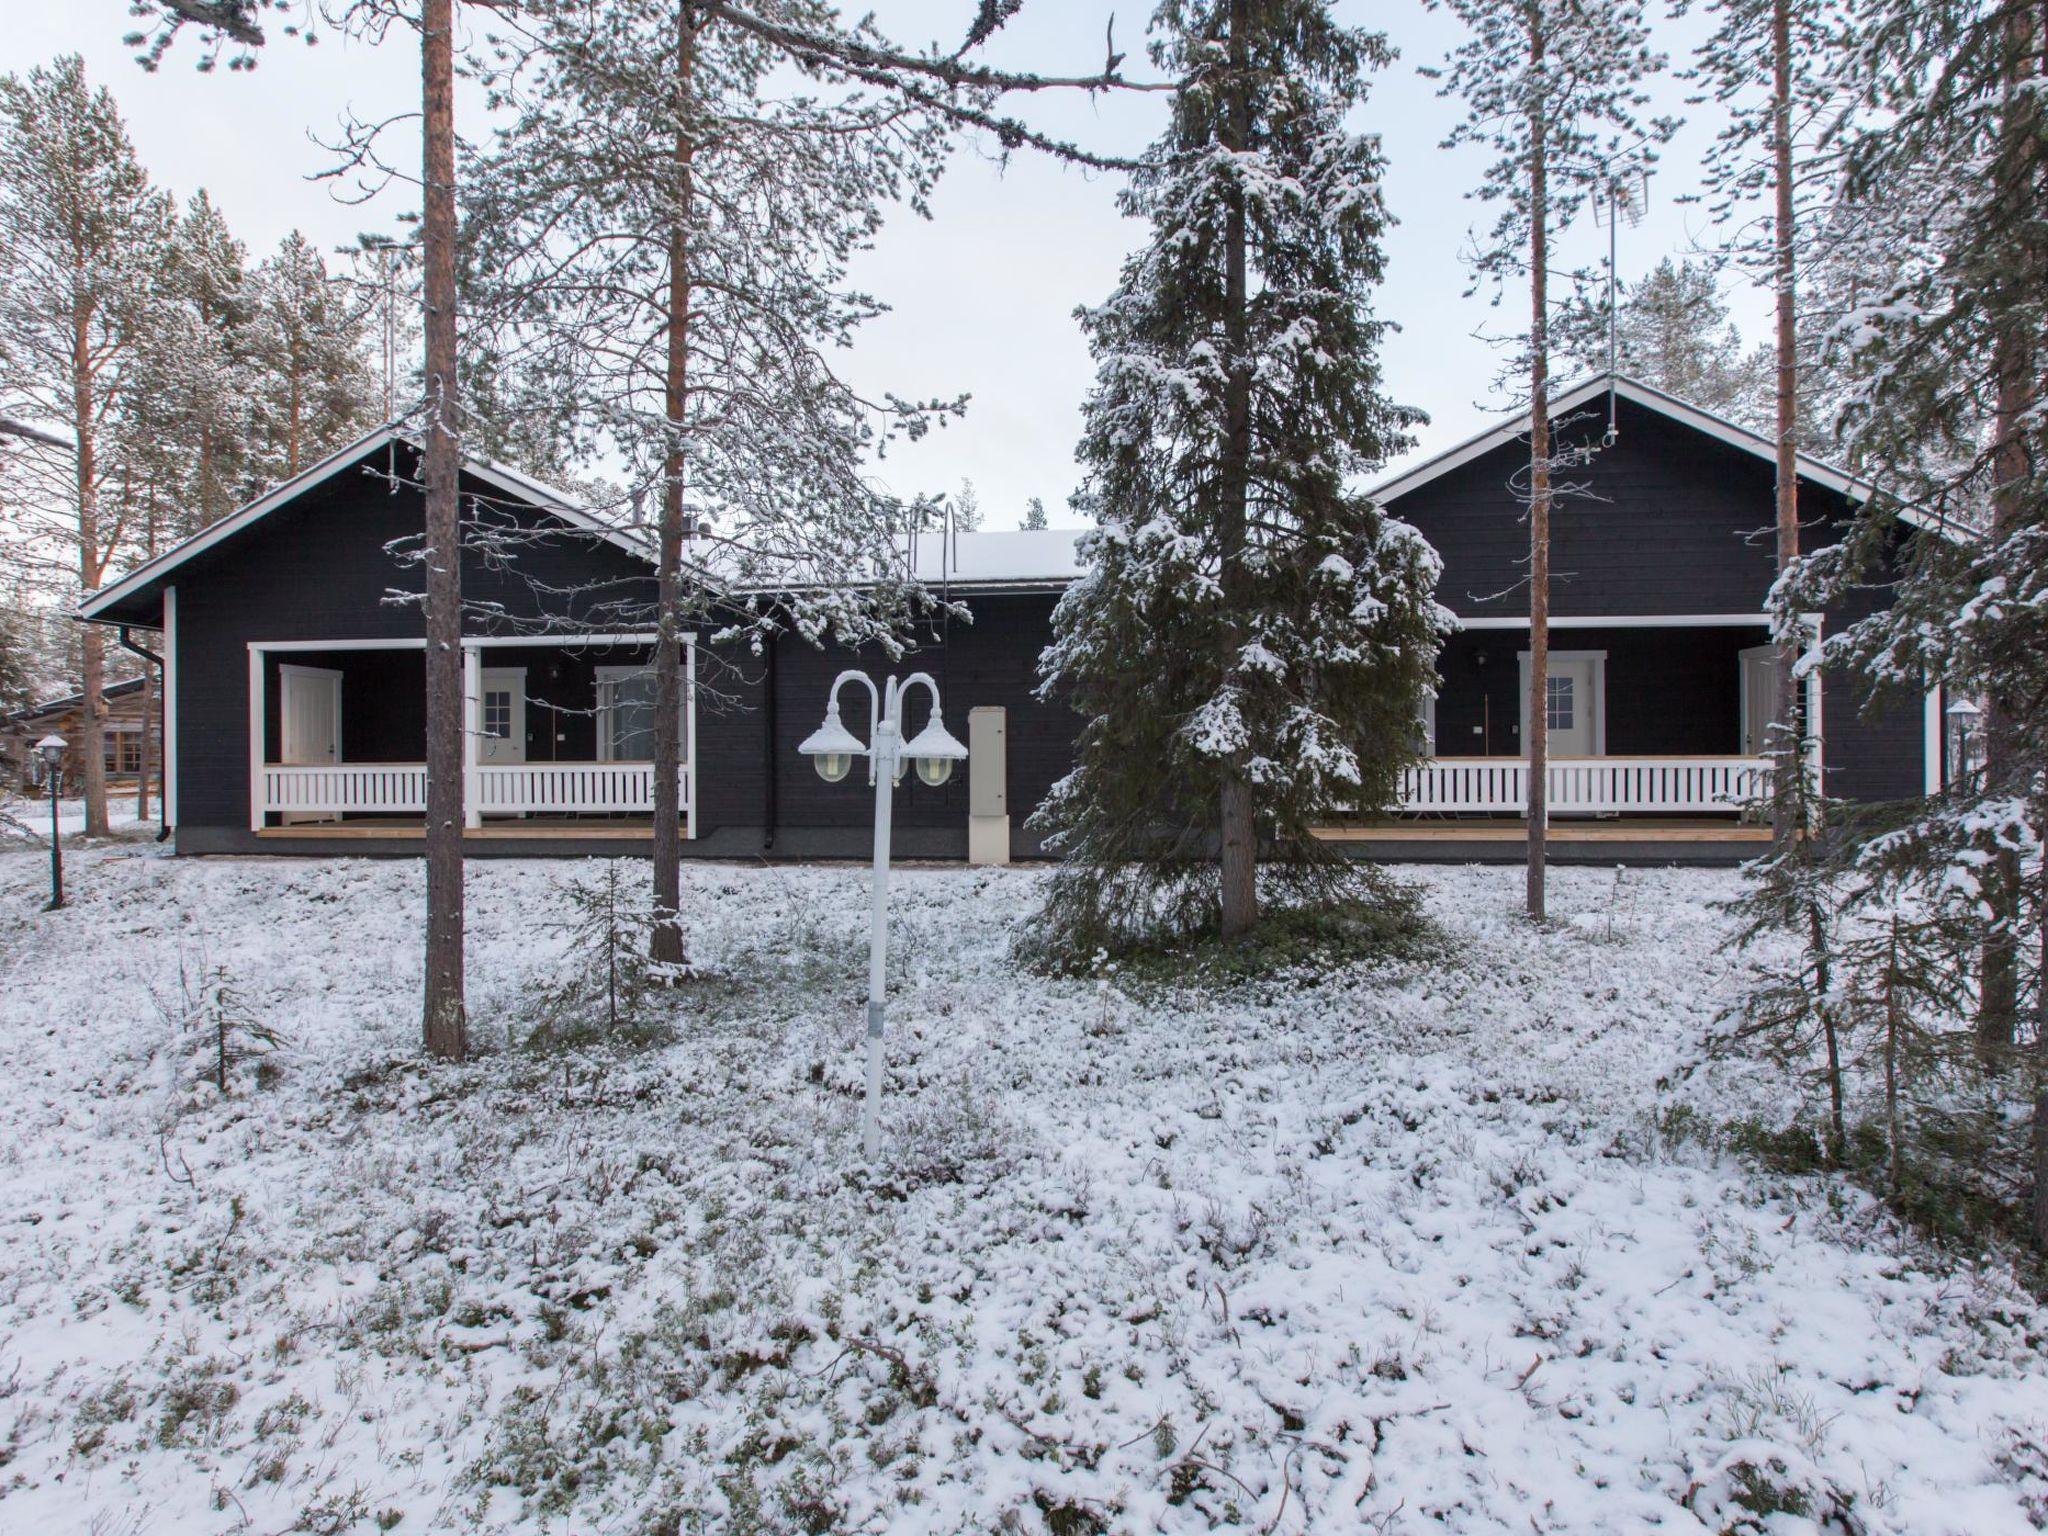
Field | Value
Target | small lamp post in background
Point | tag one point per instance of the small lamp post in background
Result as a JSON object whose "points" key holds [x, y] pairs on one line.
{"points": [[1962, 728], [51, 749], [832, 749]]}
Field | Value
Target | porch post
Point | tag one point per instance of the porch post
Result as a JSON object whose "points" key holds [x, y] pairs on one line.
{"points": [[690, 731], [167, 745], [1816, 751], [256, 714], [472, 705]]}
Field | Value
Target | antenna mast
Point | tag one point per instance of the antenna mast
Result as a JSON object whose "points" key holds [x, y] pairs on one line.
{"points": [[1627, 193]]}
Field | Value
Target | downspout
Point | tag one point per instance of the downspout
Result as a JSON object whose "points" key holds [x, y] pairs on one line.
{"points": [[163, 825]]}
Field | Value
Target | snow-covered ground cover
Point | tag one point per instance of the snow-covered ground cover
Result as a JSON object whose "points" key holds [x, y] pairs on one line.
{"points": [[1393, 1249]]}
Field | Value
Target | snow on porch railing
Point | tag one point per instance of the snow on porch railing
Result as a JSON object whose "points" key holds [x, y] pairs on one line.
{"points": [[512, 788], [337, 788], [1594, 786]]}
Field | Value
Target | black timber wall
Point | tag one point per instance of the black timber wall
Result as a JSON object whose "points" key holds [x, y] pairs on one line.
{"points": [[1668, 521], [326, 568]]}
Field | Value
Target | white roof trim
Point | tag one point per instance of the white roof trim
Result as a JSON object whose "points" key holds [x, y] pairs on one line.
{"points": [[1585, 391], [510, 481]]}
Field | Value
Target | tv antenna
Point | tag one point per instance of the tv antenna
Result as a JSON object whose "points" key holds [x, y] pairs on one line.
{"points": [[1624, 195]]}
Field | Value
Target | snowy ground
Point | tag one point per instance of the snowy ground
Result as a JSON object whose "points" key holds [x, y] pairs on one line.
{"points": [[21, 816], [1394, 1251]]}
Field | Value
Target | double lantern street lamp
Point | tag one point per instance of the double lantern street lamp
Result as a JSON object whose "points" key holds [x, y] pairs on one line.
{"points": [[933, 751], [51, 750]]}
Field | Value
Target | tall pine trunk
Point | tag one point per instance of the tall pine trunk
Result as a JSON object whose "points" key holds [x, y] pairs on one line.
{"points": [[1239, 859], [1537, 744], [445, 1024], [2012, 379], [665, 942], [92, 644], [1786, 706]]}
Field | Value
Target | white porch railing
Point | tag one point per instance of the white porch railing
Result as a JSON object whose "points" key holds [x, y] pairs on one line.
{"points": [[1587, 786], [520, 788], [503, 789], [338, 788]]}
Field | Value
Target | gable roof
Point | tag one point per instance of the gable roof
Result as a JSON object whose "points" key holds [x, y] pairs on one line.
{"points": [[126, 686], [511, 482], [1585, 391]]}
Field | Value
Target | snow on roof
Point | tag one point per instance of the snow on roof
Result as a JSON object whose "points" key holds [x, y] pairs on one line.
{"points": [[1010, 557]]}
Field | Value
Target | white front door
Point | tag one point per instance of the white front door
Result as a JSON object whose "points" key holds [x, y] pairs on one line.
{"points": [[1577, 712], [309, 721], [501, 715], [1759, 698]]}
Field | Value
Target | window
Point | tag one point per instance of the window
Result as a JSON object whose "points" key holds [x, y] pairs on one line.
{"points": [[1559, 702], [123, 752], [498, 713]]}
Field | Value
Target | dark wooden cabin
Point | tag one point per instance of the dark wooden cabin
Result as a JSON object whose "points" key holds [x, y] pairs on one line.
{"points": [[132, 738], [294, 668]]}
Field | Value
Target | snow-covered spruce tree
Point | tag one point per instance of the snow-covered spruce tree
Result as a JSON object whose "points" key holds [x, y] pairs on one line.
{"points": [[213, 280], [1034, 515], [1252, 640], [1796, 893], [663, 236], [1672, 331], [1554, 88], [308, 361], [84, 239], [1949, 355]]}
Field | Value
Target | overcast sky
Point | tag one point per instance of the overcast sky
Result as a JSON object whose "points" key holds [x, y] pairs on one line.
{"points": [[983, 293]]}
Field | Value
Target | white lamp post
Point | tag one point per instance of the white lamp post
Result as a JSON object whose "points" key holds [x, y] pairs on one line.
{"points": [[832, 749], [51, 749]]}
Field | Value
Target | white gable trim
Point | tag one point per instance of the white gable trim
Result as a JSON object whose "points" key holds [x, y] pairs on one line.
{"points": [[510, 482], [1586, 391]]}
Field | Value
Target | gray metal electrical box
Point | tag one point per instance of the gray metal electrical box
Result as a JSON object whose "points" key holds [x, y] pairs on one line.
{"points": [[988, 785]]}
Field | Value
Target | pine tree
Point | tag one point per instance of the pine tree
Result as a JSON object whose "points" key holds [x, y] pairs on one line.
{"points": [[213, 281], [668, 238], [1765, 63], [1555, 89], [84, 239], [967, 508], [308, 363], [1673, 332], [1250, 643], [1034, 515], [1945, 408]]}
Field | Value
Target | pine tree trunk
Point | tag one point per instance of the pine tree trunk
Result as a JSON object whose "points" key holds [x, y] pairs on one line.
{"points": [[1537, 744], [1786, 708], [2039, 1213], [665, 942], [2011, 366], [1238, 869], [92, 644], [445, 1024]]}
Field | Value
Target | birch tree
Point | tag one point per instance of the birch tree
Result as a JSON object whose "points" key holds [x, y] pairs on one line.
{"points": [[1251, 639], [84, 238], [1554, 89]]}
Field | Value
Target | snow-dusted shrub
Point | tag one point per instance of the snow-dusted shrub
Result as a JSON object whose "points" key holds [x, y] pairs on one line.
{"points": [[604, 987], [214, 1031]]}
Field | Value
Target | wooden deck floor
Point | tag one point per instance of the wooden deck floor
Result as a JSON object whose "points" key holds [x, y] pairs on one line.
{"points": [[534, 827], [1647, 829]]}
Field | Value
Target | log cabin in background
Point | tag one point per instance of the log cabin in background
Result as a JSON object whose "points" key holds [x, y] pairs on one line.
{"points": [[294, 680], [133, 739]]}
